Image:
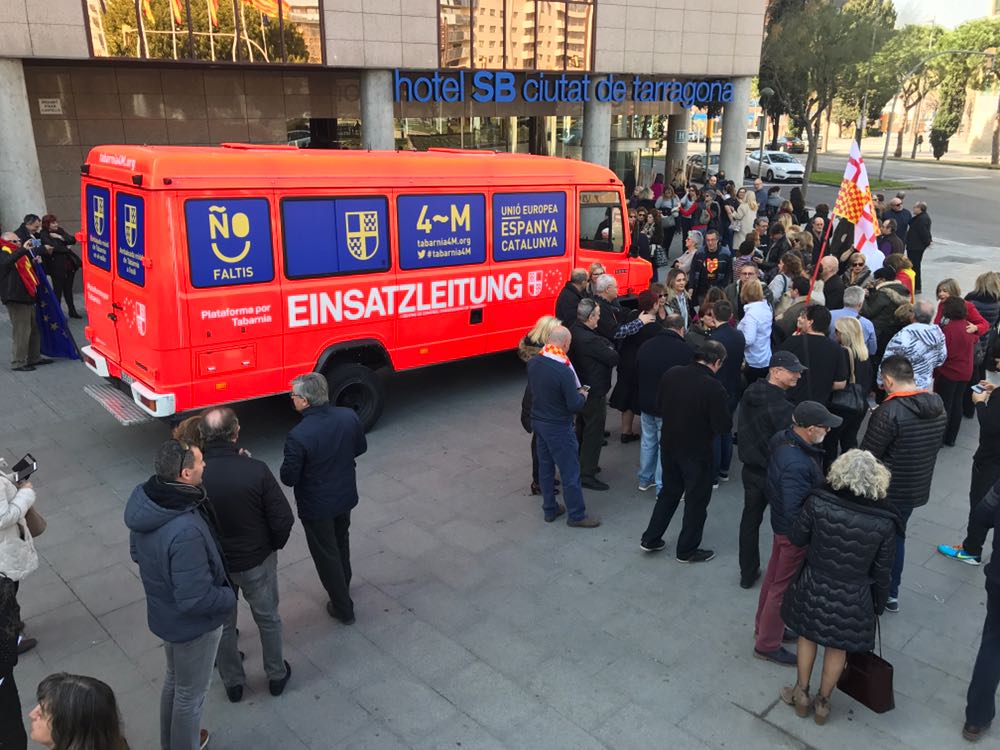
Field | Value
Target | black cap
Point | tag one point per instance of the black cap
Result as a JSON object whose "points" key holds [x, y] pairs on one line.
{"points": [[814, 414], [787, 361]]}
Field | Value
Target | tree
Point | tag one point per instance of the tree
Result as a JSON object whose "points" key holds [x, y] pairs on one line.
{"points": [[807, 55]]}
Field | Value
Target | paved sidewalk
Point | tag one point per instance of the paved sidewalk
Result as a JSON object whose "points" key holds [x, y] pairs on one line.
{"points": [[479, 626]]}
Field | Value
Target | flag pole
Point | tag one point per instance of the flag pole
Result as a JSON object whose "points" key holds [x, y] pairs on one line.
{"points": [[822, 252]]}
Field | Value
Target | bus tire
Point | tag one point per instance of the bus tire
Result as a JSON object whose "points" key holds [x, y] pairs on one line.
{"points": [[357, 387]]}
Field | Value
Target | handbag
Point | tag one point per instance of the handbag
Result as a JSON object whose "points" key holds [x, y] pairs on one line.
{"points": [[36, 522], [867, 678], [852, 399], [660, 256]]}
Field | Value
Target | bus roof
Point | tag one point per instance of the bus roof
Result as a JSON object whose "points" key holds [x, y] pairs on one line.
{"points": [[246, 165]]}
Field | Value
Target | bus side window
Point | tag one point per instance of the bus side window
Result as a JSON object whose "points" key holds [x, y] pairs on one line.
{"points": [[601, 226], [335, 236], [229, 241]]}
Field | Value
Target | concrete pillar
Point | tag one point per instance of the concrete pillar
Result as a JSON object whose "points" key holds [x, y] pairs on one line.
{"points": [[597, 132], [21, 189], [378, 129], [733, 156], [677, 152]]}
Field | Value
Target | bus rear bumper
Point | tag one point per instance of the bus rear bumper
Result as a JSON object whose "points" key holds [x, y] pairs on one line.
{"points": [[152, 403]]}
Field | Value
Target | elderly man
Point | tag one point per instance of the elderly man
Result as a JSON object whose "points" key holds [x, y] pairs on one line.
{"points": [[900, 215], [833, 284], [17, 291], [760, 193], [319, 463], [557, 396], [922, 343], [594, 358], [918, 239], [571, 295], [613, 324], [744, 272], [854, 299]]}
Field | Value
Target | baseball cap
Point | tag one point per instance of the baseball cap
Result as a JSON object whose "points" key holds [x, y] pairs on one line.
{"points": [[814, 414], [787, 361]]}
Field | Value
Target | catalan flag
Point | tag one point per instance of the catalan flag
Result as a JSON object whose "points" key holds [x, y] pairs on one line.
{"points": [[854, 203]]}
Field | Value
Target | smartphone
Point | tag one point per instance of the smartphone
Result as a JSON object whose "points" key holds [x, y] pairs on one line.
{"points": [[977, 388], [24, 468], [35, 243], [584, 387]]}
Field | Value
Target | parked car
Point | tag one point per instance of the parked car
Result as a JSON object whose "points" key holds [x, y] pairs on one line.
{"points": [[792, 144], [696, 166], [777, 166]]}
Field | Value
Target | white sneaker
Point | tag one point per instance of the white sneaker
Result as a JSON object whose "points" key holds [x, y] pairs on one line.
{"points": [[644, 487]]}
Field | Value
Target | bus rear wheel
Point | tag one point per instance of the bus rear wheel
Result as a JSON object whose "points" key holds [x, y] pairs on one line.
{"points": [[357, 387]]}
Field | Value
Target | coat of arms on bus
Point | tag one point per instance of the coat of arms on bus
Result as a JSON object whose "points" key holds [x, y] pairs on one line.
{"points": [[362, 233], [131, 224], [535, 282], [98, 206]]}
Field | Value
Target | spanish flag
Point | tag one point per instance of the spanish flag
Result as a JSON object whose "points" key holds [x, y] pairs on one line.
{"points": [[213, 13], [147, 10], [270, 7], [177, 11]]}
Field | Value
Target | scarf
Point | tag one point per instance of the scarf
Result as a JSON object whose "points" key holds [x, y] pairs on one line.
{"points": [[556, 354], [24, 268]]}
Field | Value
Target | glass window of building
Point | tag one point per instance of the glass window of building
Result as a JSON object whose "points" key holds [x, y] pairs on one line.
{"points": [[243, 31]]}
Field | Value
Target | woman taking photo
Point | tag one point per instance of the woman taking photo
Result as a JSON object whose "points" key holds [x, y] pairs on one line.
{"points": [[850, 536], [530, 345], [852, 338], [755, 325], [76, 713]]}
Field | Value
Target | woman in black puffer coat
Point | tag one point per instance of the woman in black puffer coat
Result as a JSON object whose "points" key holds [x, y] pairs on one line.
{"points": [[844, 582], [531, 345]]}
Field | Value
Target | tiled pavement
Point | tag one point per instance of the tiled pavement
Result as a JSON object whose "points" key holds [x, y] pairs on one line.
{"points": [[479, 626]]}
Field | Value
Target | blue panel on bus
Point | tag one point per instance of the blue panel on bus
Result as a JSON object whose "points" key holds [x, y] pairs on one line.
{"points": [[441, 230], [229, 241], [99, 226], [130, 238], [529, 225], [328, 236]]}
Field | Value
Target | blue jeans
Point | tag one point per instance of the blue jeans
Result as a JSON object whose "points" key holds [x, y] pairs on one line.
{"points": [[897, 564], [650, 469], [260, 588], [722, 453], [189, 673], [557, 446]]}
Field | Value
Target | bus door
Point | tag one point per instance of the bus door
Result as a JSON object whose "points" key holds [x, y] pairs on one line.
{"points": [[233, 295], [530, 259], [443, 282], [603, 235], [98, 277]]}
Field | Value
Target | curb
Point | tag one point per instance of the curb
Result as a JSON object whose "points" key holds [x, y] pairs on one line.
{"points": [[943, 162]]}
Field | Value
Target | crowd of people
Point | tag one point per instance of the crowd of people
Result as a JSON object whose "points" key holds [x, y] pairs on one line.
{"points": [[837, 383]]}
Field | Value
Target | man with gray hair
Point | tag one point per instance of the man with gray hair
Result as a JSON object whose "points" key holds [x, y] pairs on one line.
{"points": [[918, 239], [254, 521], [319, 464], [613, 324], [833, 284], [854, 299], [922, 343], [571, 295]]}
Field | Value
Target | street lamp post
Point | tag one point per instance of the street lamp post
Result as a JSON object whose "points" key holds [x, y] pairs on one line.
{"points": [[765, 94]]}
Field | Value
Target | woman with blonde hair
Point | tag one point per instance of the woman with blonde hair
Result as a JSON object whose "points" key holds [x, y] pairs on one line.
{"points": [[852, 338], [755, 325], [786, 221], [531, 345], [985, 296], [805, 244], [850, 536], [743, 216]]}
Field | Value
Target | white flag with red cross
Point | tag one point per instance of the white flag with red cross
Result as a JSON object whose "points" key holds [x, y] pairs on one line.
{"points": [[854, 203]]}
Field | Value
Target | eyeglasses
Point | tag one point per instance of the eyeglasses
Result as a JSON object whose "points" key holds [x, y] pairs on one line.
{"points": [[857, 265]]}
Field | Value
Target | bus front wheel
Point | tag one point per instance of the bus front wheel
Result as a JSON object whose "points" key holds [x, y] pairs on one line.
{"points": [[359, 388]]}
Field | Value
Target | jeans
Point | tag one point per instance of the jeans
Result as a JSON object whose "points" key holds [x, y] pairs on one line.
{"points": [[897, 564], [650, 468], [557, 446], [690, 476], [330, 546], [984, 476], [592, 420], [722, 453], [754, 505], [260, 588], [951, 392], [784, 564], [189, 673], [980, 705]]}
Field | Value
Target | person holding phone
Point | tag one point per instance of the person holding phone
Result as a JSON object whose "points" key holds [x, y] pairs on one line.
{"points": [[17, 292], [18, 557]]}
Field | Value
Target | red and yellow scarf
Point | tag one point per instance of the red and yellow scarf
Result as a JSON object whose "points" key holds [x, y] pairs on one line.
{"points": [[23, 264]]}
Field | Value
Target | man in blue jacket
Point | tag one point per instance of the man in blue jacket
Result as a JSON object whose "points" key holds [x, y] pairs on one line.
{"points": [[320, 454], [556, 396], [794, 470], [188, 595]]}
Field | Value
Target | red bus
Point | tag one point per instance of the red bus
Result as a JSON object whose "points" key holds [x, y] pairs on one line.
{"points": [[215, 275]]}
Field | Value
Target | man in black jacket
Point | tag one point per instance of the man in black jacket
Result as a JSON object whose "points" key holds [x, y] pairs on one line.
{"points": [[694, 407], [918, 239], [615, 322], [570, 296], [319, 463], [655, 357], [593, 358], [905, 433], [764, 411], [254, 521]]}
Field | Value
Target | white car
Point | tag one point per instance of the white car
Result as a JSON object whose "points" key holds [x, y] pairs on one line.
{"points": [[777, 166]]}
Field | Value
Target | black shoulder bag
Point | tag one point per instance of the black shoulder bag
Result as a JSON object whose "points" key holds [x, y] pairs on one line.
{"points": [[867, 678]]}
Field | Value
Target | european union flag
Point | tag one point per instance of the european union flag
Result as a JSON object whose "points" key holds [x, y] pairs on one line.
{"points": [[53, 329]]}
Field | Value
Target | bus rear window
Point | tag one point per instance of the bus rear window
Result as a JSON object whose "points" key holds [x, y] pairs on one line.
{"points": [[229, 241], [601, 225], [330, 236]]}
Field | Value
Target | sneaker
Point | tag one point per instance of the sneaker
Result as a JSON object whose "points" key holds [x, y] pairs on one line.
{"points": [[724, 476], [699, 555], [957, 553], [234, 693], [277, 687], [593, 483], [655, 546], [892, 605], [587, 522], [203, 737], [972, 733], [780, 655], [643, 486], [715, 484], [560, 510]]}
